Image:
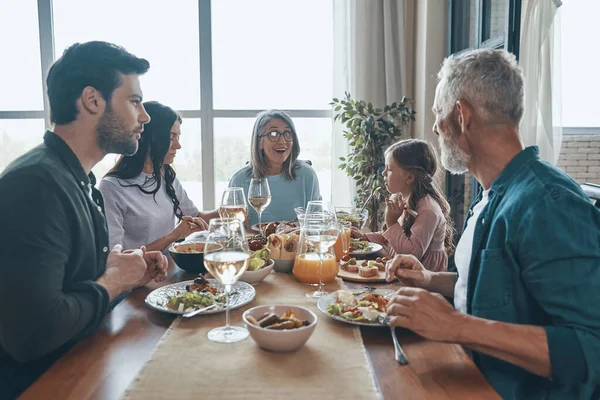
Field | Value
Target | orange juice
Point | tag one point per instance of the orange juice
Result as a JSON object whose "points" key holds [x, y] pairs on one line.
{"points": [[306, 268], [338, 247]]}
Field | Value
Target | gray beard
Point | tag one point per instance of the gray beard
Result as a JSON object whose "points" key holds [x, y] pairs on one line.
{"points": [[454, 159]]}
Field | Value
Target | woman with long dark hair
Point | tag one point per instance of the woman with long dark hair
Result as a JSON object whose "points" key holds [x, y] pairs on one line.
{"points": [[144, 201], [410, 166]]}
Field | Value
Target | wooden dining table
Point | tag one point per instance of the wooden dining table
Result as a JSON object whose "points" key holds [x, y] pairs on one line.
{"points": [[103, 365]]}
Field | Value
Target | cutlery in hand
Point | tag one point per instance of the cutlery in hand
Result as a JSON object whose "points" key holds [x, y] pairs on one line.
{"points": [[400, 356]]}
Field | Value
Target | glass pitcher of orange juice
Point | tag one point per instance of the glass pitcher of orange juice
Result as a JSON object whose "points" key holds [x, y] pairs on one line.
{"points": [[307, 264]]}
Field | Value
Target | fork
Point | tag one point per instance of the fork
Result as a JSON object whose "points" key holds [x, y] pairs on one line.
{"points": [[365, 290], [400, 356]]}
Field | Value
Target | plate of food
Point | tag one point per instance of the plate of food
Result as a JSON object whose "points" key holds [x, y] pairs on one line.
{"points": [[357, 308], [355, 270], [186, 296], [276, 227], [363, 248]]}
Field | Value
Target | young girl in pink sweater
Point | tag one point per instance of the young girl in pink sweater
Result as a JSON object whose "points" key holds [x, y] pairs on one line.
{"points": [[409, 169]]}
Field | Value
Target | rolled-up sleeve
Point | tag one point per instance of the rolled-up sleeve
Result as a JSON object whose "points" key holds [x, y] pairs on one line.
{"points": [[38, 312], [560, 255]]}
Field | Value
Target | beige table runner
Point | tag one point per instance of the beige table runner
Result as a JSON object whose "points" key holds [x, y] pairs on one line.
{"points": [[333, 364]]}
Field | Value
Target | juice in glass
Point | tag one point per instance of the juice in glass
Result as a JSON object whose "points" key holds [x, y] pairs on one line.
{"points": [[306, 268], [338, 247]]}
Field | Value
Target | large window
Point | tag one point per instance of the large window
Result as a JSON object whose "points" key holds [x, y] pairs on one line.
{"points": [[20, 80], [580, 79], [278, 56]]}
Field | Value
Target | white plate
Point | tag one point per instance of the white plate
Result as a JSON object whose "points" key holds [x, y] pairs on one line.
{"points": [[373, 248], [159, 298], [264, 224], [331, 299]]}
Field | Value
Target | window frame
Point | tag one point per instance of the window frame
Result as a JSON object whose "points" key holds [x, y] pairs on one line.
{"points": [[458, 41], [207, 113]]}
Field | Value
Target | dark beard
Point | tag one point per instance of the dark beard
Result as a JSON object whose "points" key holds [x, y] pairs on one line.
{"points": [[113, 136]]}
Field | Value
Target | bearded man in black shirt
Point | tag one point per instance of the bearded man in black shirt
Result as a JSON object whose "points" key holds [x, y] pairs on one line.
{"points": [[58, 275]]}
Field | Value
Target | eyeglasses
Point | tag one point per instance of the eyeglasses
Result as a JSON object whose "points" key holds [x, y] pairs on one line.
{"points": [[274, 136]]}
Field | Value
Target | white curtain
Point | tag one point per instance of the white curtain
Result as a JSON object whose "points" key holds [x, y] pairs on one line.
{"points": [[371, 49], [539, 56]]}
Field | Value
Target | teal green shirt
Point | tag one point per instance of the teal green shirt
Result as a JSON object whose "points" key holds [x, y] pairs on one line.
{"points": [[285, 195], [536, 261]]}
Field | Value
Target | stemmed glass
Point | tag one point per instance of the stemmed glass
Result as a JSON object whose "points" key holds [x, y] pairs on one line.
{"points": [[226, 256], [259, 197], [233, 204], [321, 231]]}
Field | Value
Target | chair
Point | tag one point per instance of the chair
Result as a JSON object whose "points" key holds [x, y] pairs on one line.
{"points": [[593, 192]]}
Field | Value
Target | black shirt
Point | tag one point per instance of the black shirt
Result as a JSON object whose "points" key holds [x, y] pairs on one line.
{"points": [[53, 246]]}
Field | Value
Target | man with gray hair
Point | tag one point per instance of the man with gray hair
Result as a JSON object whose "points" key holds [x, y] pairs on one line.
{"points": [[527, 291]]}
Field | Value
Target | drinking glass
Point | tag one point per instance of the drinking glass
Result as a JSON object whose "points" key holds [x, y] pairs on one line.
{"points": [[320, 230], [226, 256], [342, 245], [300, 213], [259, 197], [233, 204]]}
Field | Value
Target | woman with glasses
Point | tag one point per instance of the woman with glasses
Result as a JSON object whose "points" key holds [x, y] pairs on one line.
{"points": [[274, 155]]}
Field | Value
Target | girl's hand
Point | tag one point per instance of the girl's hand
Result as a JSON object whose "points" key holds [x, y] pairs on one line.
{"points": [[356, 233], [394, 208]]}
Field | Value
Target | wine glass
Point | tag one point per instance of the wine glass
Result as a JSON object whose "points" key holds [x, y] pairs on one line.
{"points": [[233, 204], [259, 197], [226, 256], [321, 231]]}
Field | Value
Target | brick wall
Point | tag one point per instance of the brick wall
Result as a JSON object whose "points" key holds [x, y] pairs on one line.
{"points": [[580, 157]]}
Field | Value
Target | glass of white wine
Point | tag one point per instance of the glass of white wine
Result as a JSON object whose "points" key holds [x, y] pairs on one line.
{"points": [[226, 256], [233, 204], [259, 197], [320, 230]]}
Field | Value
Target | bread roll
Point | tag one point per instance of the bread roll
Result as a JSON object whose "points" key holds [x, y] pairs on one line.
{"points": [[274, 244], [290, 246]]}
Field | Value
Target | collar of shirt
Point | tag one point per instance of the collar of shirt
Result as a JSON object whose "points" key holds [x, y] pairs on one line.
{"points": [[57, 144], [503, 181]]}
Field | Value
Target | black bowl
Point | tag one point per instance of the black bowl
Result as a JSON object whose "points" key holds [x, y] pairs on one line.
{"points": [[190, 262]]}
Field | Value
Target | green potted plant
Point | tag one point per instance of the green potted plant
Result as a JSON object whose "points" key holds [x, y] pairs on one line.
{"points": [[370, 131]]}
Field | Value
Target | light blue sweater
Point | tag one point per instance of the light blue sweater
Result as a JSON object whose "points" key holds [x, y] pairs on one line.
{"points": [[285, 195]]}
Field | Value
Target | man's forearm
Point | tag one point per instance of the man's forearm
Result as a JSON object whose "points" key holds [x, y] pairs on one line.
{"points": [[523, 345], [442, 283]]}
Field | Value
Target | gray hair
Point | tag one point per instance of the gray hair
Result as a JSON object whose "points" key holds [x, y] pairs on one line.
{"points": [[489, 80], [257, 156]]}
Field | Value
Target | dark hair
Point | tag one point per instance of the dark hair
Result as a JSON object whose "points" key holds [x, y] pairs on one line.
{"points": [[156, 140], [257, 156], [418, 157], [97, 64]]}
